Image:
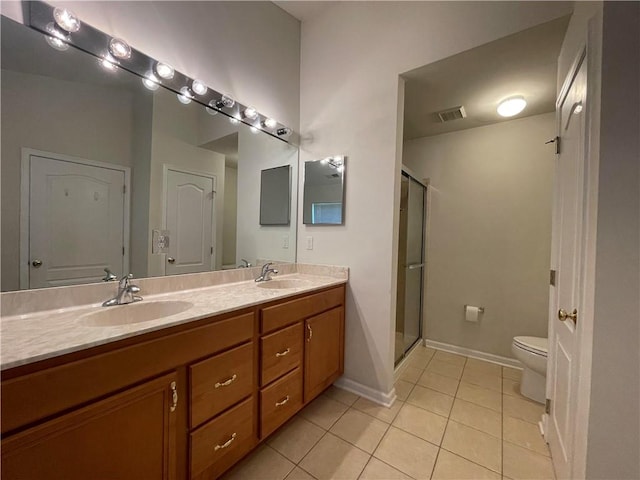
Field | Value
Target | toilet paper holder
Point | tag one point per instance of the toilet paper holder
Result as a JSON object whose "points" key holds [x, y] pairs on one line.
{"points": [[480, 309]]}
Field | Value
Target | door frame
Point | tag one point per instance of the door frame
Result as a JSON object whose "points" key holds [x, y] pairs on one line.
{"points": [[25, 203], [590, 52], [165, 190]]}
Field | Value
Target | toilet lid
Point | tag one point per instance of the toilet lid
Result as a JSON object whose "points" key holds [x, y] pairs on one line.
{"points": [[533, 344]]}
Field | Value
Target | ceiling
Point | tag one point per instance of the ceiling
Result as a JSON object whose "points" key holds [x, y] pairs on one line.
{"points": [[478, 79], [304, 10]]}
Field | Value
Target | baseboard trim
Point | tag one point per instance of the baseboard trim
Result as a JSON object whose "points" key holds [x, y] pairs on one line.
{"points": [[376, 396], [402, 366], [488, 357]]}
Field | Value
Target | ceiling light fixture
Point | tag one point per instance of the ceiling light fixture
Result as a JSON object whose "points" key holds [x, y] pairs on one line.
{"points": [[66, 19], [199, 87], [119, 49], [250, 112], [511, 106], [164, 70], [185, 96]]}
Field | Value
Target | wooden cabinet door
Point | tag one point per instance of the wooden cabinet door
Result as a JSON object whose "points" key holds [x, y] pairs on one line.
{"points": [[324, 351], [130, 435]]}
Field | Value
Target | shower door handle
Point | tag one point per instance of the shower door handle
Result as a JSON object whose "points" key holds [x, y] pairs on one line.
{"points": [[413, 266]]}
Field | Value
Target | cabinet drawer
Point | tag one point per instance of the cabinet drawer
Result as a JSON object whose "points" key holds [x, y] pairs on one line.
{"points": [[281, 315], [280, 352], [220, 381], [220, 443], [280, 401]]}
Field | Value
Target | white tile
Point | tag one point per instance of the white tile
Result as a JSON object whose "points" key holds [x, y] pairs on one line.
{"points": [[431, 400], [421, 423], [473, 445]]}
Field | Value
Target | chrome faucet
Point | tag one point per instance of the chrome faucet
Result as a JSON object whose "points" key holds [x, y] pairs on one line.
{"points": [[125, 293], [245, 264], [265, 275], [110, 276]]}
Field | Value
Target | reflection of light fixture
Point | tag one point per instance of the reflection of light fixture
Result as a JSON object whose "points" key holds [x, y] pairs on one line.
{"points": [[108, 64], [283, 132], [66, 19], [269, 123], [254, 129], [250, 113], [211, 109], [234, 120], [164, 70], [336, 162], [511, 106], [578, 108], [119, 48], [150, 81], [225, 101], [185, 96], [56, 38], [198, 87]]}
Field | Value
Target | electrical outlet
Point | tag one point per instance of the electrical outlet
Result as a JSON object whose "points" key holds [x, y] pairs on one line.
{"points": [[285, 241], [309, 243]]}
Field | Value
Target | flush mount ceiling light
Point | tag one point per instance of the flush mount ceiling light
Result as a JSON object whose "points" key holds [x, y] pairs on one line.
{"points": [[511, 106], [269, 123], [199, 87], [185, 96], [151, 82], [119, 48], [250, 113], [164, 70], [66, 20]]}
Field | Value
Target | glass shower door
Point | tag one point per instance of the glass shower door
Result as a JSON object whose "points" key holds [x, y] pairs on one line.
{"points": [[410, 266]]}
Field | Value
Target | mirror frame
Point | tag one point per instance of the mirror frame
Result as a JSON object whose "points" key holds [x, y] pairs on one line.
{"points": [[343, 164]]}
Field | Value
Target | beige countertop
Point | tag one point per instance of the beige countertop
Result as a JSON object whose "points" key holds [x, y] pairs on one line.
{"points": [[30, 337]]}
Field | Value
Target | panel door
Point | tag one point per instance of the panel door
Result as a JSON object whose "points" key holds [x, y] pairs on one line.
{"points": [[323, 351], [189, 219], [130, 435], [76, 226]]}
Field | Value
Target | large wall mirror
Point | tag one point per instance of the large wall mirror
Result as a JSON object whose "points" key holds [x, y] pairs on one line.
{"points": [[324, 191], [100, 172]]}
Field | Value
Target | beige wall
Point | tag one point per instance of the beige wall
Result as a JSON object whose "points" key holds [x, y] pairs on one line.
{"points": [[56, 121], [351, 56], [230, 216], [489, 231]]}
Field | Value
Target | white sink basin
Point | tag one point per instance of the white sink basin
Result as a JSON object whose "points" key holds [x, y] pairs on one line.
{"points": [[283, 283], [134, 313]]}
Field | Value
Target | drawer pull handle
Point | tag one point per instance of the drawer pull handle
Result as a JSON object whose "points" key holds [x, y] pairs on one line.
{"points": [[225, 444], [174, 396], [227, 382], [310, 332], [283, 401], [283, 353]]}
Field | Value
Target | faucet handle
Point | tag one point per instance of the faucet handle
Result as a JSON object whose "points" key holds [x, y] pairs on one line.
{"points": [[124, 281]]}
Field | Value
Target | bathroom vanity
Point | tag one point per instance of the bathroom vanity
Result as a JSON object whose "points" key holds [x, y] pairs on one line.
{"points": [[187, 400]]}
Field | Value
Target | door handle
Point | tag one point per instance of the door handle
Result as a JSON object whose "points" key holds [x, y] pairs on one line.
{"points": [[413, 266], [563, 315], [171, 260], [37, 263]]}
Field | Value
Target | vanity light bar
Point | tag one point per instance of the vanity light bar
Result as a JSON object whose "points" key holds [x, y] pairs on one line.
{"points": [[70, 31]]}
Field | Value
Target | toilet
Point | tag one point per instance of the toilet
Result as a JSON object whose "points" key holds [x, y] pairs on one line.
{"points": [[532, 353]]}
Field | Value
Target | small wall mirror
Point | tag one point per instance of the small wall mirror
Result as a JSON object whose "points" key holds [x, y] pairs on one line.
{"points": [[324, 191], [275, 196]]}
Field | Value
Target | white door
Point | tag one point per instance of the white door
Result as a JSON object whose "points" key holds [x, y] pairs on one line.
{"points": [[566, 296], [76, 222], [189, 219]]}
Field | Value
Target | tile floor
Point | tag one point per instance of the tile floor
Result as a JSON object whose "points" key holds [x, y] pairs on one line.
{"points": [[455, 418]]}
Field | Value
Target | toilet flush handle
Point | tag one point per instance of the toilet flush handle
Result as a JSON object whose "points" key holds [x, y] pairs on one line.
{"points": [[563, 315]]}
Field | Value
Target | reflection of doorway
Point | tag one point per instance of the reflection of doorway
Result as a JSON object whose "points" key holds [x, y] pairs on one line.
{"points": [[74, 220], [189, 199], [409, 302]]}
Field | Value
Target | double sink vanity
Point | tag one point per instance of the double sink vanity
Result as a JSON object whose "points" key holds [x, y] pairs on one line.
{"points": [[182, 384]]}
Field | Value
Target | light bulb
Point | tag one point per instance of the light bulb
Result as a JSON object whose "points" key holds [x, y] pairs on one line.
{"points": [[119, 48], [270, 123], [211, 109], [185, 96], [227, 101], [234, 121], [108, 64], [577, 109], [56, 38], [56, 43], [324, 161], [511, 106], [198, 87], [164, 70], [284, 132], [150, 81], [66, 19], [250, 113]]}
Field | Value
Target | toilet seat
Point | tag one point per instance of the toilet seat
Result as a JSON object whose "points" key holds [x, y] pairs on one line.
{"points": [[533, 345]]}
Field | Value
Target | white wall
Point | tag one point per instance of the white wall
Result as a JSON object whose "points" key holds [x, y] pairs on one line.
{"points": [[230, 216], [351, 57], [250, 50], [56, 121], [490, 231]]}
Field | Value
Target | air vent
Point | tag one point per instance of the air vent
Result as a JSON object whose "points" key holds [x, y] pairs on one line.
{"points": [[450, 114]]}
